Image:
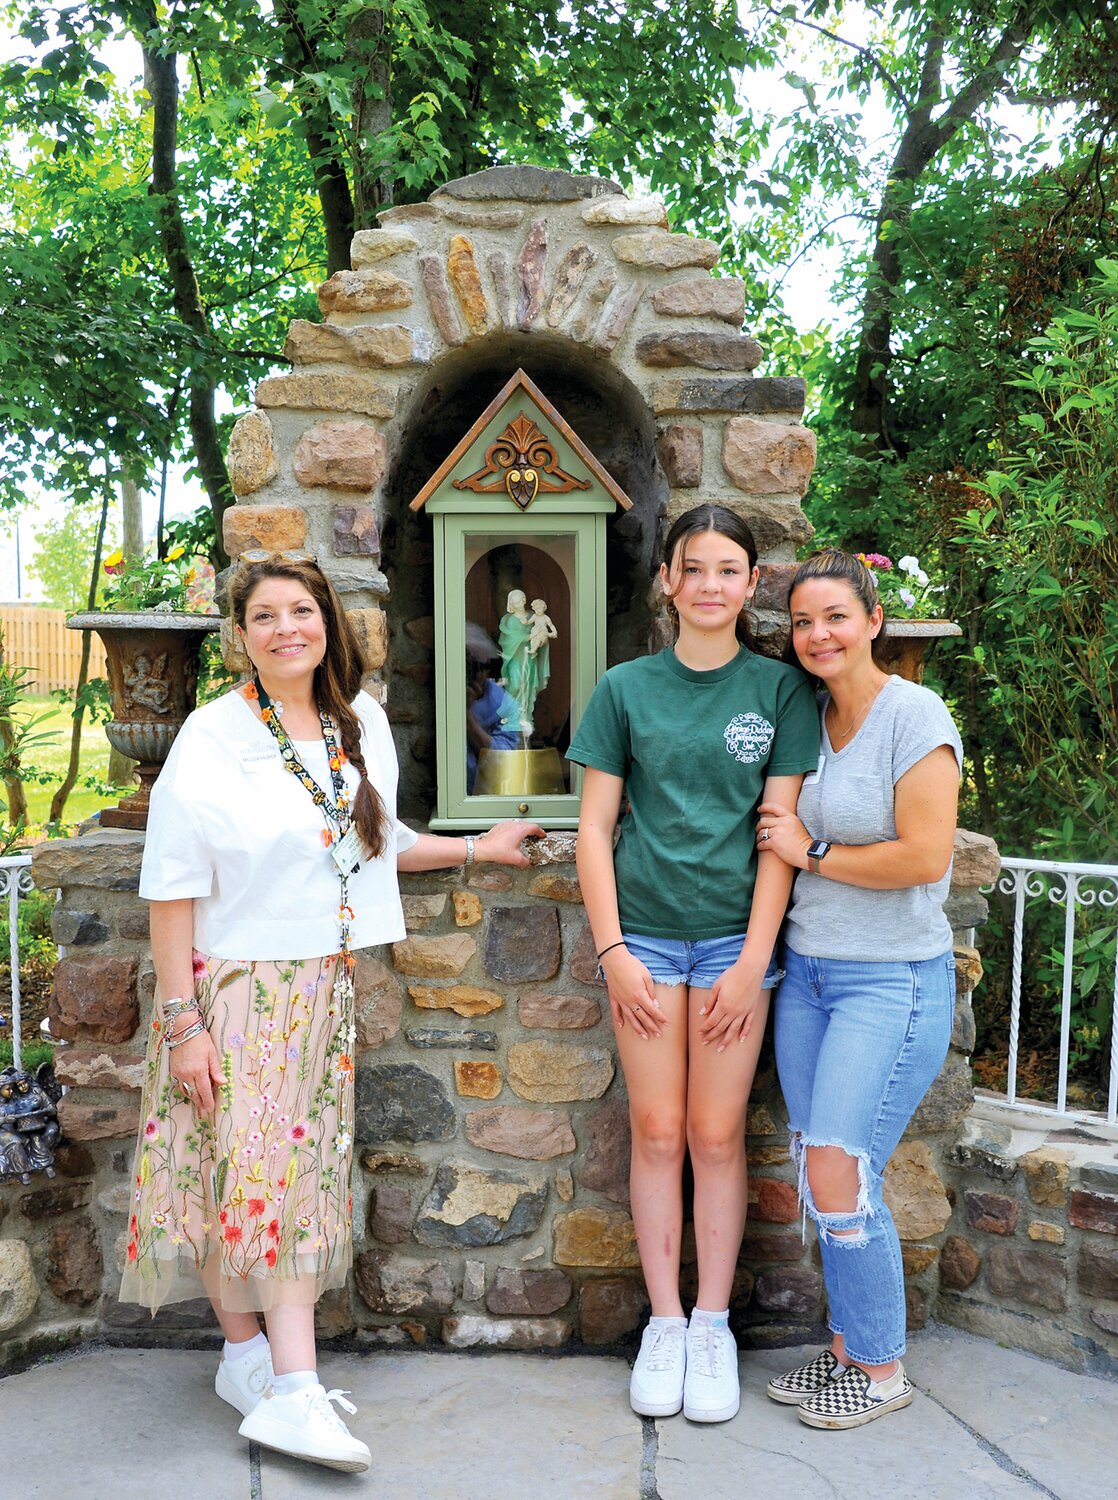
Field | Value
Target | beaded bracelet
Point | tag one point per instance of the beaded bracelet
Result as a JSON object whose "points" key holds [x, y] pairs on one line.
{"points": [[185, 1036]]}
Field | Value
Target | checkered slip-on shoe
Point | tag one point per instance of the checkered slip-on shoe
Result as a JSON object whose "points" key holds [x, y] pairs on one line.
{"points": [[804, 1381], [853, 1399]]}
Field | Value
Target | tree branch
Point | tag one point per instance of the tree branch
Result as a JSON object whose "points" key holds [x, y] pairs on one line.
{"points": [[866, 53]]}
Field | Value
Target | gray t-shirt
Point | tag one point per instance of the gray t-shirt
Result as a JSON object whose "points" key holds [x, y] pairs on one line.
{"points": [[849, 800]]}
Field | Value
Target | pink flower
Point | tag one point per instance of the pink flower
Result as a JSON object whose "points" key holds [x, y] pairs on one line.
{"points": [[151, 1131], [297, 1133]]}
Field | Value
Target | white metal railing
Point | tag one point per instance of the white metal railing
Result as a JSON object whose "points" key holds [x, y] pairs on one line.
{"points": [[1074, 887], [15, 881]]}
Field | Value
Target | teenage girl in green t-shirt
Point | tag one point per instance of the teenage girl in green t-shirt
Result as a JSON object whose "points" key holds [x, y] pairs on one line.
{"points": [[689, 1015]]}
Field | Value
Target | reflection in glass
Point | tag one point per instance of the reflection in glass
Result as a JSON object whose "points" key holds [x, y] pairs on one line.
{"points": [[518, 664]]}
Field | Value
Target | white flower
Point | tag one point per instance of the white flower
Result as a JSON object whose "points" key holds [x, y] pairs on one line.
{"points": [[911, 566], [908, 598]]}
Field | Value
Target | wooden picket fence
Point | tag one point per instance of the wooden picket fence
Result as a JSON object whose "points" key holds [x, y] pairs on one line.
{"points": [[38, 640]]}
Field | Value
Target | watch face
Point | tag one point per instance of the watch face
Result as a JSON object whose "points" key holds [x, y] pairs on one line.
{"points": [[817, 848]]}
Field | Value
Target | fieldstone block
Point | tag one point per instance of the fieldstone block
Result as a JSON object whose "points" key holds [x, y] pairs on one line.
{"points": [[552, 849], [341, 456], [991, 1212], [916, 1309], [116, 1200], [462, 999], [393, 1284], [391, 346], [473, 1331], [773, 586], [703, 297], [477, 1080], [794, 1290], [1028, 1276], [421, 911], [564, 1185], [595, 1237], [1107, 1321], [73, 1161], [947, 1102], [489, 880], [479, 218], [522, 943], [528, 185], [434, 958], [401, 1102], [917, 1258], [58, 1198], [531, 1134], [392, 1161], [768, 458], [1048, 1234], [556, 888], [333, 1316], [757, 395], [522, 1292], [966, 908], [595, 298], [473, 1281], [390, 1211], [364, 395], [623, 211], [500, 273], [94, 998], [660, 251], [959, 1263], [462, 269], [611, 1309], [378, 1002], [530, 268], [75, 929], [251, 457], [1046, 1176], [277, 528], [465, 1039], [364, 291], [471, 1206], [583, 962], [438, 299], [99, 1068], [984, 1156], [371, 246], [968, 967], [963, 1030], [553, 1072], [1096, 1270], [680, 451], [74, 1263], [606, 1167], [355, 531], [19, 1291], [558, 1012], [97, 1122], [772, 1201], [774, 523], [467, 909], [133, 923], [709, 351], [762, 1246], [976, 860], [1097, 1211], [616, 318], [192, 1315], [569, 276], [1099, 1174], [914, 1192]]}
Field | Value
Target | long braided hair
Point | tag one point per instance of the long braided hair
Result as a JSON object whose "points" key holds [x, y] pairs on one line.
{"points": [[337, 678]]}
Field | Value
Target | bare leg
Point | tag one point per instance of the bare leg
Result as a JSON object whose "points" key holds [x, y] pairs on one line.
{"points": [[238, 1327], [291, 1335], [656, 1078], [832, 1175], [717, 1096]]}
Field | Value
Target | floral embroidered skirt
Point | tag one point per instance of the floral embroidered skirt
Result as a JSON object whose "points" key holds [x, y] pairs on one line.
{"points": [[252, 1203]]}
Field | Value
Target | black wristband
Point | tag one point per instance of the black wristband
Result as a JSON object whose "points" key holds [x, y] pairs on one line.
{"points": [[619, 944]]}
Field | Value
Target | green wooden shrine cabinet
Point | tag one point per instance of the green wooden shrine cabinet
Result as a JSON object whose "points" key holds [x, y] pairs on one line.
{"points": [[519, 510]]}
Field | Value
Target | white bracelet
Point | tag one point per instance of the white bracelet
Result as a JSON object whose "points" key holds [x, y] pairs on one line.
{"points": [[469, 838]]}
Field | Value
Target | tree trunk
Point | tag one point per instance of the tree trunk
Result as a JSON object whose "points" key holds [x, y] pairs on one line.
{"points": [[58, 801], [368, 42], [161, 79]]}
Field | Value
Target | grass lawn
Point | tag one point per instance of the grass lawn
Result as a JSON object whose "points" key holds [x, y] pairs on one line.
{"points": [[52, 757]]}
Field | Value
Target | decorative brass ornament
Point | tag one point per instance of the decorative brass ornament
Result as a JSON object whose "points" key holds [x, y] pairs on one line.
{"points": [[520, 461]]}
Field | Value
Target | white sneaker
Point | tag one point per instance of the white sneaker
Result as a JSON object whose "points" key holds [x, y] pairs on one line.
{"points": [[243, 1381], [305, 1425], [710, 1391], [656, 1384]]}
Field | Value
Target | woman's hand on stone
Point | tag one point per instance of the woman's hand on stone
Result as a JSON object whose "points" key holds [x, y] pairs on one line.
{"points": [[780, 832], [196, 1070], [632, 994], [501, 845]]}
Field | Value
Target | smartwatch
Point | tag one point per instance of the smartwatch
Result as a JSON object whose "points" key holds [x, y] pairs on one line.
{"points": [[815, 852]]}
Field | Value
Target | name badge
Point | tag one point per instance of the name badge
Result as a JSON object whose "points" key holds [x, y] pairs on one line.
{"points": [[346, 853], [255, 757], [813, 776]]}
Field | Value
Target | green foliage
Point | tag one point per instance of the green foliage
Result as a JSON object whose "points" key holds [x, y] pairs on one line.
{"points": [[63, 558], [36, 945]]}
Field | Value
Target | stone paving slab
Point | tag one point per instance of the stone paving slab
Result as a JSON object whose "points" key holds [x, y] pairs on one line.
{"points": [[490, 1427], [122, 1424]]}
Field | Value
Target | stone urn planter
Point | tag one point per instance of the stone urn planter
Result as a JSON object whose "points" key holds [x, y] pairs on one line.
{"points": [[905, 645], [153, 685]]}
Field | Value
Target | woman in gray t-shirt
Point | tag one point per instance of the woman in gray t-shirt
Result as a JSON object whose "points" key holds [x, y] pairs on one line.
{"points": [[864, 1016]]}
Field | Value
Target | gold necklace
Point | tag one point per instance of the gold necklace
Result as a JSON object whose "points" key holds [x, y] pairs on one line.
{"points": [[842, 733]]}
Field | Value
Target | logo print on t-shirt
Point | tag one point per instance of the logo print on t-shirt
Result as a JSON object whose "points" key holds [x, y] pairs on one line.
{"points": [[748, 737]]}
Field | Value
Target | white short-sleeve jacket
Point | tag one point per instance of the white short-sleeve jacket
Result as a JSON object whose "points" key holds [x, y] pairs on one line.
{"points": [[236, 832]]}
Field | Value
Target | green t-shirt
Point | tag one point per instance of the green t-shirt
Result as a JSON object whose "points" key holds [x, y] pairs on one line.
{"points": [[694, 749]]}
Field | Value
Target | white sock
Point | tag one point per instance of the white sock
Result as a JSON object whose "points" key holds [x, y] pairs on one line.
{"points": [[297, 1380], [230, 1352], [700, 1315], [680, 1322]]}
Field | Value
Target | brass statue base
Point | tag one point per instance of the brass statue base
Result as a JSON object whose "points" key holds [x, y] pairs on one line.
{"points": [[519, 773]]}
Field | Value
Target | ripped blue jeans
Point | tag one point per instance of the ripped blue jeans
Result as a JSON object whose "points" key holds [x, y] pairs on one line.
{"points": [[857, 1046]]}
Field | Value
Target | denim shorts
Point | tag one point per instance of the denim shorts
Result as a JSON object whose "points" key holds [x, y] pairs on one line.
{"points": [[698, 963]]}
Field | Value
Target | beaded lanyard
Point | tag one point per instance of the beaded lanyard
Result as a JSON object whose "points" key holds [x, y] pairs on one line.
{"points": [[336, 814]]}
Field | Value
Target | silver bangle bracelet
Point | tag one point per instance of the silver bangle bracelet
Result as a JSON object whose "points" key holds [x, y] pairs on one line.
{"points": [[185, 1036], [470, 841]]}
